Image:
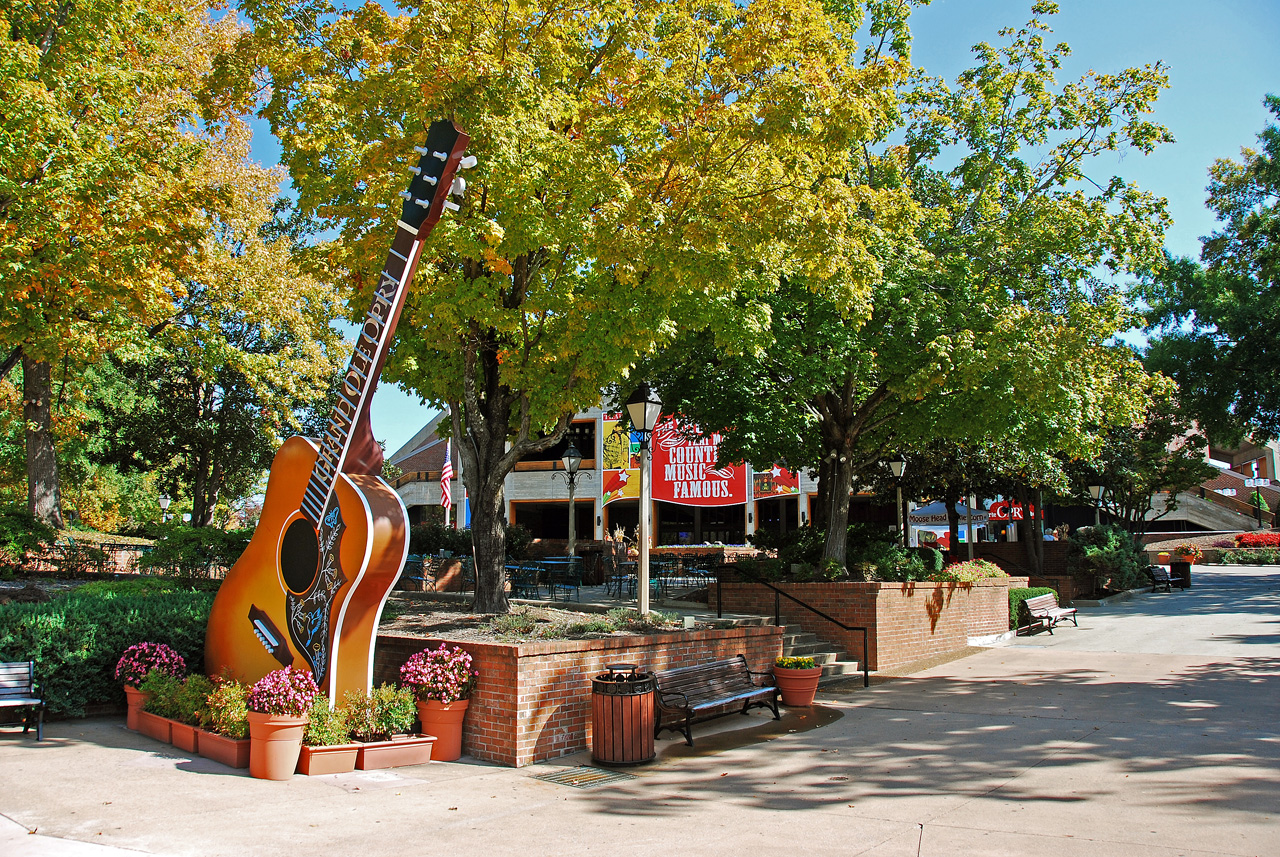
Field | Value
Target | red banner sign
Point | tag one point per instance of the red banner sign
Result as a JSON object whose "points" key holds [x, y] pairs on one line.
{"points": [[1006, 511], [685, 471]]}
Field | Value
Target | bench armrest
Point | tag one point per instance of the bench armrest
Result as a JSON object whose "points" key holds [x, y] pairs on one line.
{"points": [[767, 679], [663, 694]]}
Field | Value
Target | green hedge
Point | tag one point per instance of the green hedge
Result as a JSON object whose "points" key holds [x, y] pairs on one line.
{"points": [[1251, 556], [1017, 596], [76, 640]]}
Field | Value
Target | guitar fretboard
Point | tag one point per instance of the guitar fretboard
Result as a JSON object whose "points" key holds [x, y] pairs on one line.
{"points": [[362, 369]]}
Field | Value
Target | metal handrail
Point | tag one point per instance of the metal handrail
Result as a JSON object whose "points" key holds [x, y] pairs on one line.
{"points": [[778, 595]]}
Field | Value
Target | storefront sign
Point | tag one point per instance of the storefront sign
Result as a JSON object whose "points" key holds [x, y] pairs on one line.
{"points": [[620, 478], [685, 469], [1006, 511], [777, 481]]}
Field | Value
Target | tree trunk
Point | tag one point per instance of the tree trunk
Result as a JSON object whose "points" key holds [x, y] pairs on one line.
{"points": [[489, 544], [837, 545], [44, 499], [1034, 527], [821, 501]]}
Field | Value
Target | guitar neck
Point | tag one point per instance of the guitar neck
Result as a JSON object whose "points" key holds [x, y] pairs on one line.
{"points": [[363, 369]]}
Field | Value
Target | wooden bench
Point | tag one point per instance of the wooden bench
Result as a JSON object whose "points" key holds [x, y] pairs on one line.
{"points": [[688, 693], [1043, 611], [18, 689], [1160, 577]]}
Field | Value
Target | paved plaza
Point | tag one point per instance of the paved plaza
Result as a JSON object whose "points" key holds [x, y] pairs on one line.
{"points": [[1152, 729]]}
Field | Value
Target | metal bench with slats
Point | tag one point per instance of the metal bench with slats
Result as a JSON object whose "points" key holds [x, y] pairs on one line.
{"points": [[1043, 611], [686, 694], [18, 689]]}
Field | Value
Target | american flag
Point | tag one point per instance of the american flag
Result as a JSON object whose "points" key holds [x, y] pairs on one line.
{"points": [[446, 476]]}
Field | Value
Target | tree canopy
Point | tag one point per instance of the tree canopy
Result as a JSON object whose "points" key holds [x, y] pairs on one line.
{"points": [[1215, 323]]}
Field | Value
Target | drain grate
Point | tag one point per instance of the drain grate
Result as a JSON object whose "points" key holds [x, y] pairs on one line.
{"points": [[585, 777]]}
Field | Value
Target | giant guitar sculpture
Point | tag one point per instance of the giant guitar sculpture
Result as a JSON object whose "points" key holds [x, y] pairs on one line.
{"points": [[309, 589]]}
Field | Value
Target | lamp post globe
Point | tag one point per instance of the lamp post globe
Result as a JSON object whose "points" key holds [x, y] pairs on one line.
{"points": [[1095, 491], [898, 466]]}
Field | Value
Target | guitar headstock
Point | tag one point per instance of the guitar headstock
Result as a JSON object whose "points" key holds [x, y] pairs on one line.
{"points": [[435, 177]]}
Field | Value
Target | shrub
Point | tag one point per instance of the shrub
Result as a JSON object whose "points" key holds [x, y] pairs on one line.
{"points": [[326, 726], [193, 551], [445, 674], [430, 538], [1017, 596], [1259, 539], [518, 540], [164, 689], [21, 533], [1252, 556], [932, 559], [140, 659], [389, 710], [286, 692], [76, 641], [141, 587], [225, 711], [1106, 557], [192, 698], [968, 571]]}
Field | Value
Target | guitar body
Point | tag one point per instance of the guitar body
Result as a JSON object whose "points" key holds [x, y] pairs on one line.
{"points": [[371, 552]]}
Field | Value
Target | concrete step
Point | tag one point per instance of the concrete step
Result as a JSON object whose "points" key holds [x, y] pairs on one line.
{"points": [[840, 669], [799, 639], [806, 649]]}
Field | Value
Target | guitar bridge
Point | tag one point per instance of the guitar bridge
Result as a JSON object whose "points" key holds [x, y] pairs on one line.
{"points": [[269, 635]]}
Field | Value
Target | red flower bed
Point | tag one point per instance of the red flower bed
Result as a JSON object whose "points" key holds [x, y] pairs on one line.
{"points": [[1260, 539]]}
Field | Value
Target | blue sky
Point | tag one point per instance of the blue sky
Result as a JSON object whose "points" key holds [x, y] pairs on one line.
{"points": [[1223, 57]]}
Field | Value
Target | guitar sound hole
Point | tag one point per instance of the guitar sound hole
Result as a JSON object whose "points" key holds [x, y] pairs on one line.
{"points": [[299, 556]]}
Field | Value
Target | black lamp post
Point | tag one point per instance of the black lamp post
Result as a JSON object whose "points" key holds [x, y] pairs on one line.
{"points": [[164, 507], [643, 408], [898, 466], [571, 461]]}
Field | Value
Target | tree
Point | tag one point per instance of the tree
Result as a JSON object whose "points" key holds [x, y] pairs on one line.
{"points": [[108, 178], [642, 165], [1215, 324], [989, 325]]}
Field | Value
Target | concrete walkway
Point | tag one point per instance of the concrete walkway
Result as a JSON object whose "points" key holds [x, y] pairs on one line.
{"points": [[1150, 730]]}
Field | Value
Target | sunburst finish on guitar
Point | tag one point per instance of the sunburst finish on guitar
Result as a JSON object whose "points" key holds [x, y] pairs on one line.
{"points": [[332, 539]]}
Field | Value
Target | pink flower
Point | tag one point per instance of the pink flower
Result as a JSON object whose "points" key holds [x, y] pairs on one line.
{"points": [[142, 658], [287, 691], [444, 674]]}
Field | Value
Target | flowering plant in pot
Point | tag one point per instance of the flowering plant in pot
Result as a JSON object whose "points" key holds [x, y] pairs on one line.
{"points": [[797, 679], [185, 705], [278, 704], [1188, 553], [326, 740], [442, 680], [133, 666]]}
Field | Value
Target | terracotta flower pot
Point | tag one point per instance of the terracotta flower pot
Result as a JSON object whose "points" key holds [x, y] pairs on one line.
{"points": [[232, 752], [444, 721], [135, 699], [275, 744], [396, 753], [798, 686], [184, 737], [333, 759], [155, 726]]}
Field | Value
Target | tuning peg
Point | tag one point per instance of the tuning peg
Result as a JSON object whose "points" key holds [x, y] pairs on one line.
{"points": [[422, 202], [459, 186], [421, 150], [404, 194], [444, 156], [453, 206], [431, 180], [468, 162], [417, 171]]}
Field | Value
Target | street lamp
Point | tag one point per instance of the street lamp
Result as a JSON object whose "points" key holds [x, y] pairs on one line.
{"points": [[164, 507], [571, 460], [1095, 491], [898, 466], [643, 408]]}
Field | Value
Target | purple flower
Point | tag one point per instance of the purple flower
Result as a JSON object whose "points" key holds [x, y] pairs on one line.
{"points": [[142, 658], [444, 674], [287, 691]]}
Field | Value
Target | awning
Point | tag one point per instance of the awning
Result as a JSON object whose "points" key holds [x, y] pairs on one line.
{"points": [[935, 514]]}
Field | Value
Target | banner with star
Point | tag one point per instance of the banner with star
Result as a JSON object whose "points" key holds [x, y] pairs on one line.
{"points": [[777, 481], [620, 479]]}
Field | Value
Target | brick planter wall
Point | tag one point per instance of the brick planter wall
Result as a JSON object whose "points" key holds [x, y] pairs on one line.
{"points": [[533, 700], [905, 621]]}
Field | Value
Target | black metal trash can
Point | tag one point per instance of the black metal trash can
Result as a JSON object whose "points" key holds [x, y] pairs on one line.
{"points": [[622, 716], [1181, 571]]}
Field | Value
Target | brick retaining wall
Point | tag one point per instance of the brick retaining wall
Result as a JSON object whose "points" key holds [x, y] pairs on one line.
{"points": [[905, 621], [533, 700]]}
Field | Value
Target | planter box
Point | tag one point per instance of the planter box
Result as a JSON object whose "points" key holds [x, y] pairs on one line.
{"points": [[232, 752], [184, 737], [155, 726], [335, 759], [396, 753]]}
